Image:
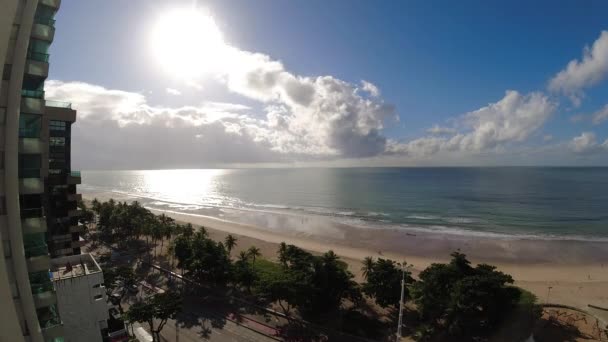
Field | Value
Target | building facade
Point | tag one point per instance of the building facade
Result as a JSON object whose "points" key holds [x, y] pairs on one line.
{"points": [[38, 199], [81, 297]]}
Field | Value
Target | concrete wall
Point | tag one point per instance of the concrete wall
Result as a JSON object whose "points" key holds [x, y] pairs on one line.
{"points": [[82, 314]]}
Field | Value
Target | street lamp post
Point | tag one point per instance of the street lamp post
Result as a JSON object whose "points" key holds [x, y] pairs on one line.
{"points": [[548, 292], [401, 301]]}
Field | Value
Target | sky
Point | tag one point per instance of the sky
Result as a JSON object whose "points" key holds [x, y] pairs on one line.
{"points": [[195, 84]]}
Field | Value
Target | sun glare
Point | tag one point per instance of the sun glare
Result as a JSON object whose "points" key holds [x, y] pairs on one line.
{"points": [[187, 43]]}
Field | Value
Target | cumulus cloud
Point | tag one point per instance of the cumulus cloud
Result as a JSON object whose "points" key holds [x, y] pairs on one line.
{"points": [[439, 130], [119, 129], [512, 119], [600, 116], [586, 143], [370, 88], [581, 74], [322, 115], [172, 91]]}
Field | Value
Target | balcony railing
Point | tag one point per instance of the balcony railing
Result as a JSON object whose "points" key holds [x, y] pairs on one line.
{"points": [[38, 288], [48, 317], [44, 21], [34, 251], [74, 173], [38, 56], [58, 104], [29, 173], [38, 94], [31, 213]]}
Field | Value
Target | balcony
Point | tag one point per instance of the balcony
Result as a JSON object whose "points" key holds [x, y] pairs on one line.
{"points": [[28, 213], [62, 111], [38, 69], [33, 225], [39, 263], [38, 56], [41, 287], [43, 32], [74, 177], [36, 251], [58, 104], [51, 3], [44, 299], [39, 19], [49, 320], [74, 197], [74, 213], [36, 94], [30, 186], [31, 146], [32, 105]]}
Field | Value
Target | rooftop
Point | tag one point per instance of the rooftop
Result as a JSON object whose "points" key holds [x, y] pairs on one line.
{"points": [[73, 266]]}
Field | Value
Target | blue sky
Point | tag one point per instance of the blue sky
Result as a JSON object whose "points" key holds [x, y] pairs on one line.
{"points": [[433, 62]]}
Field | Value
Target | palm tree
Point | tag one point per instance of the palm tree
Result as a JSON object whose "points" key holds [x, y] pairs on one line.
{"points": [[203, 231], [283, 254], [188, 230], [157, 233], [243, 256], [96, 205], [230, 243], [368, 266], [254, 252]]}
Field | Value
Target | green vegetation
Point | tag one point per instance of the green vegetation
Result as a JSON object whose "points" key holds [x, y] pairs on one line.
{"points": [[463, 301], [383, 281], [120, 278], [159, 307], [453, 301]]}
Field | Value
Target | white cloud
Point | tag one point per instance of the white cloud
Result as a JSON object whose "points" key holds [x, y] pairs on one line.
{"points": [[512, 119], [321, 115], [436, 129], [585, 143], [547, 137], [370, 88], [172, 91], [580, 74], [600, 116]]}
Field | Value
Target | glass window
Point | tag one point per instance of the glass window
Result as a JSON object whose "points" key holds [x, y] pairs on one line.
{"points": [[57, 141], [35, 245], [55, 125], [29, 165], [48, 317], [40, 282], [29, 125]]}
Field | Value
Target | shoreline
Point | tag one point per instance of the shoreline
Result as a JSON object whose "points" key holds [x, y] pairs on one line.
{"points": [[576, 271]]}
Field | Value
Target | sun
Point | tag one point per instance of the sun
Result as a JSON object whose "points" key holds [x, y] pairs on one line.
{"points": [[187, 43]]}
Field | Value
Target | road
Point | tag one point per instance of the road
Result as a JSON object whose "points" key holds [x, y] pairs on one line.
{"points": [[206, 332]]}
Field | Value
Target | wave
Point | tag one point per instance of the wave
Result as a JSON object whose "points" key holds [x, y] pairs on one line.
{"points": [[348, 217]]}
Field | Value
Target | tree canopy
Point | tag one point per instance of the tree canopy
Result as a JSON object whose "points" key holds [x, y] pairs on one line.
{"points": [[463, 300]]}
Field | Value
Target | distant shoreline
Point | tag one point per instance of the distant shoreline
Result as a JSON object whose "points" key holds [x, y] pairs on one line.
{"points": [[576, 271]]}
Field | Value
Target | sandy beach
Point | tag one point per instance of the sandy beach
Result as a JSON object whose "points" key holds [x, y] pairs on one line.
{"points": [[564, 272]]}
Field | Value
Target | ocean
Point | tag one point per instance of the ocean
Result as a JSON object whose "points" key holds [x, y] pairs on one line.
{"points": [[511, 202]]}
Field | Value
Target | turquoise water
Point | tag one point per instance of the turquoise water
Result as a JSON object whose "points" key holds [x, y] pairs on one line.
{"points": [[554, 203]]}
